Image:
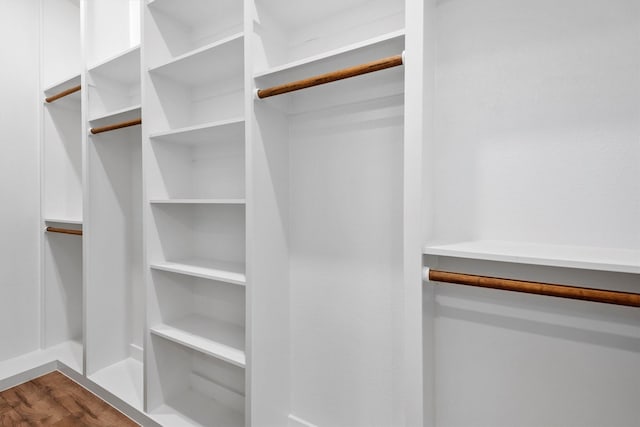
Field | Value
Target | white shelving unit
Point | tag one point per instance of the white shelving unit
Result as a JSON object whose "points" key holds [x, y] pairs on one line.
{"points": [[62, 184], [194, 154], [114, 266]]}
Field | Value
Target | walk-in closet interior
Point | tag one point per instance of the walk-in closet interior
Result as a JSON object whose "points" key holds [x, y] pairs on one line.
{"points": [[336, 214]]}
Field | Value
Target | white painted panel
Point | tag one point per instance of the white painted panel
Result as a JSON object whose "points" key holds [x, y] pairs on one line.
{"points": [[537, 122], [19, 179]]}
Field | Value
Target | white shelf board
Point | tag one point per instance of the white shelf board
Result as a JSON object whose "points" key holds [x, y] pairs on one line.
{"points": [[123, 379], [200, 201], [581, 257], [74, 221], [190, 408], [61, 85], [216, 61], [226, 272], [119, 113], [366, 44], [207, 132], [221, 340], [123, 67]]}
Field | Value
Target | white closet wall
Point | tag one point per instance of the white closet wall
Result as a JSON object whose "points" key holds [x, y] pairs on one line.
{"points": [[19, 179], [533, 173]]}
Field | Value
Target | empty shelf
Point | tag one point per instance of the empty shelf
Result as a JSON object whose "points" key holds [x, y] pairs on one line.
{"points": [[220, 271], [208, 132], [218, 339], [583, 257]]}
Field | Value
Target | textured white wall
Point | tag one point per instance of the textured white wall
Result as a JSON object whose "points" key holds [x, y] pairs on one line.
{"points": [[19, 178]]}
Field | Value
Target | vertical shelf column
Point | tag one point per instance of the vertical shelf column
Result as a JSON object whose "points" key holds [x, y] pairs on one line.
{"points": [[194, 212]]}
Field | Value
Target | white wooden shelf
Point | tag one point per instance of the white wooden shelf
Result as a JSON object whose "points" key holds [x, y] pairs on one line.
{"points": [[72, 221], [119, 114], [199, 201], [123, 67], [217, 339], [370, 44], [216, 61], [581, 257], [61, 85], [123, 379], [219, 271], [208, 132]]}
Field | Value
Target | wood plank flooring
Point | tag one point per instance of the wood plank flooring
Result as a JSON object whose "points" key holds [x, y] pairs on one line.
{"points": [[55, 400]]}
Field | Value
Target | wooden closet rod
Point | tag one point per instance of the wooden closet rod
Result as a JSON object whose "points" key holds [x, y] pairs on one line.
{"points": [[64, 231], [563, 291], [345, 73], [62, 94], [116, 126]]}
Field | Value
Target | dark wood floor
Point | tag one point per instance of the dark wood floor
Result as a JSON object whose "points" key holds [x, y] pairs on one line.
{"points": [[55, 400]]}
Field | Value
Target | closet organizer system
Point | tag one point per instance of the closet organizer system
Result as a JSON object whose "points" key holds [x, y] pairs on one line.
{"points": [[216, 186]]}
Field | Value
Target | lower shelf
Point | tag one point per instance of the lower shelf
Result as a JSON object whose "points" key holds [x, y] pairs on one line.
{"points": [[221, 340], [124, 380], [201, 410]]}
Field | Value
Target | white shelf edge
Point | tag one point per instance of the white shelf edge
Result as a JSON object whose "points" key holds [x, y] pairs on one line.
{"points": [[210, 125], [198, 51], [113, 58], [75, 221], [326, 55], [110, 114], [199, 201], [586, 258], [68, 80], [204, 345], [218, 275]]}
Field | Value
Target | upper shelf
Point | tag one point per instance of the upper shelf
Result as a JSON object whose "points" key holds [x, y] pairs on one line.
{"points": [[63, 85], [582, 257], [208, 132], [218, 60], [394, 39], [123, 67], [121, 114]]}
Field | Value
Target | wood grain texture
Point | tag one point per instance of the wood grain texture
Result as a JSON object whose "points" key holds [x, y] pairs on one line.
{"points": [[562, 291], [115, 126], [345, 73], [55, 400], [63, 94], [64, 231]]}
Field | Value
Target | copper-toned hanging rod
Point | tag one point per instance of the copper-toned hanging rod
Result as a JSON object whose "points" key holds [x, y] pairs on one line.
{"points": [[116, 126], [64, 231], [563, 291], [345, 73], [62, 94]]}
